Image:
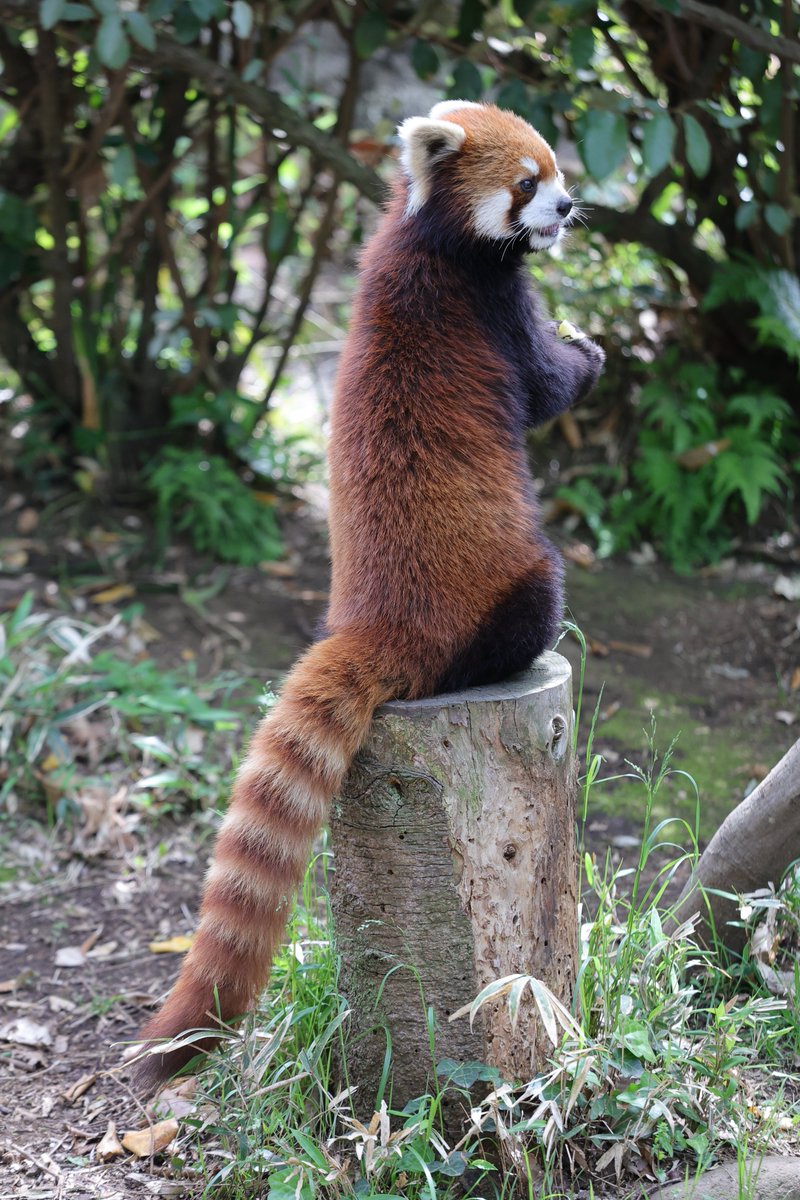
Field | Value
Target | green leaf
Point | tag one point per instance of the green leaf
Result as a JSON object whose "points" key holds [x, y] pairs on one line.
{"points": [[206, 10], [424, 59], [540, 115], [513, 95], [636, 1040], [470, 18], [141, 30], [111, 44], [242, 16], [187, 24], [106, 8], [581, 46], [11, 264], [777, 218], [253, 70], [51, 12], [370, 33], [603, 141], [698, 147], [746, 214], [77, 12], [658, 140], [467, 82], [158, 9]]}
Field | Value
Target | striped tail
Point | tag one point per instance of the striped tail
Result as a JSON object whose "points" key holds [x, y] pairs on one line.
{"points": [[295, 764]]}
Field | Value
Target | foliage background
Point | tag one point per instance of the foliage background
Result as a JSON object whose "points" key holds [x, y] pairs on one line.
{"points": [[175, 177]]}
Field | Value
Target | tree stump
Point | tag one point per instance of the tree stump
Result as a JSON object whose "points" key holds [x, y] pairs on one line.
{"points": [[455, 865]]}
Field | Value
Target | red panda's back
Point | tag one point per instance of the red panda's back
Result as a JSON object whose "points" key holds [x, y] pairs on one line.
{"points": [[431, 517]]}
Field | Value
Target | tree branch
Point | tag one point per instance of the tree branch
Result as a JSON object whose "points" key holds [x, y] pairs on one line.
{"points": [[753, 847], [724, 22], [50, 113], [222, 81]]}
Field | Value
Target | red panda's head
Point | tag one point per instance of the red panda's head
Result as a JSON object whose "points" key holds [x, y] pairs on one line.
{"points": [[489, 169]]}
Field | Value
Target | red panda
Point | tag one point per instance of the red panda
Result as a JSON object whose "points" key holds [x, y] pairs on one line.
{"points": [[441, 576]]}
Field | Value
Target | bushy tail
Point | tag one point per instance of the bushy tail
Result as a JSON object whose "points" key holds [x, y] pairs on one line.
{"points": [[295, 764]]}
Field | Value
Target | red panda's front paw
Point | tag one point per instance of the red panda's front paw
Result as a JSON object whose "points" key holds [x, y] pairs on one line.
{"points": [[576, 337], [592, 351]]}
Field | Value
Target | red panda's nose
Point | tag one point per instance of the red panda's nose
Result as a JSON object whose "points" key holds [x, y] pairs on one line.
{"points": [[564, 206]]}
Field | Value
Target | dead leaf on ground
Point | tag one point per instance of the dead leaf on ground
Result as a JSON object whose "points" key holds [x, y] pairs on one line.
{"points": [[697, 456], [24, 1032], [570, 431], [109, 1146], [104, 824], [278, 570], [639, 649], [27, 521], [755, 770], [787, 586], [111, 595], [70, 956], [86, 945], [794, 682], [9, 985], [177, 1099], [597, 647], [581, 554], [104, 950], [78, 1088], [58, 1004], [144, 1143], [174, 945], [28, 1058], [785, 717]]}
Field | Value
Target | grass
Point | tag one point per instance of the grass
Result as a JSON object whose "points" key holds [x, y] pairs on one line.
{"points": [[670, 1058], [80, 706]]}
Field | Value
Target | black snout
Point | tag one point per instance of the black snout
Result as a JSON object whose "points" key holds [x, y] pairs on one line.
{"points": [[564, 206]]}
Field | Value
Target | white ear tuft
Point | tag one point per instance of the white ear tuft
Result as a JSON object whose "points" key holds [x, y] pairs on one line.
{"points": [[425, 143], [448, 106]]}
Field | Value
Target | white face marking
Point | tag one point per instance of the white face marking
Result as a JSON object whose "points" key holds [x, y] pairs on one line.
{"points": [[540, 216], [531, 166], [491, 214]]}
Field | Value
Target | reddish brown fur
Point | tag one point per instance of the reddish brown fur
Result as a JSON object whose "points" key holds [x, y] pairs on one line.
{"points": [[494, 147], [433, 529]]}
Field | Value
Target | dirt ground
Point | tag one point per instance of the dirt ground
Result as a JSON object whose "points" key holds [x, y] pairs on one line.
{"points": [[716, 657]]}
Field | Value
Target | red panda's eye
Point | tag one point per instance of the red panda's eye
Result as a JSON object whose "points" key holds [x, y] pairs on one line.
{"points": [[528, 185]]}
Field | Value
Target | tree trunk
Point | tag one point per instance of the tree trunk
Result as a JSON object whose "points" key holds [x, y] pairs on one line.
{"points": [[753, 847], [455, 865]]}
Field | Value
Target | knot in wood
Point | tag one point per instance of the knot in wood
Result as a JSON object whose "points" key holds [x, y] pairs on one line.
{"points": [[557, 742], [510, 852]]}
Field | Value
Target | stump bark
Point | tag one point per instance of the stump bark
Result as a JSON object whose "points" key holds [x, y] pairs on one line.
{"points": [[455, 865]]}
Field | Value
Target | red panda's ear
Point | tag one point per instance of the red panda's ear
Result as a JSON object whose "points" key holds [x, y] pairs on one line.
{"points": [[425, 143]]}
